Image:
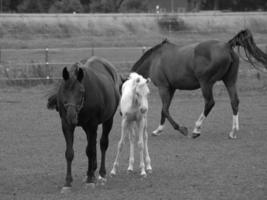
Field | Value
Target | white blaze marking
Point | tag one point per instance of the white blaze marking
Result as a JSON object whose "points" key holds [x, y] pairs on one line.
{"points": [[159, 129], [235, 122], [199, 122]]}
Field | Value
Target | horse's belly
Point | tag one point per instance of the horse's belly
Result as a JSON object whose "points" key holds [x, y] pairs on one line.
{"points": [[133, 116], [186, 84]]}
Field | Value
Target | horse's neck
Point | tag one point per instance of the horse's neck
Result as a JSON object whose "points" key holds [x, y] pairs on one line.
{"points": [[144, 67]]}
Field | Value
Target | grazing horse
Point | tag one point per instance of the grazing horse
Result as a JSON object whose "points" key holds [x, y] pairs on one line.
{"points": [[133, 107], [87, 96], [197, 66]]}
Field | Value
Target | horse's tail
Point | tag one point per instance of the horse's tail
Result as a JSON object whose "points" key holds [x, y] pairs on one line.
{"points": [[52, 97], [245, 39], [52, 102]]}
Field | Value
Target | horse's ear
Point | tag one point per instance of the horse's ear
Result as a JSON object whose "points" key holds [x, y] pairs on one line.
{"points": [[80, 74], [65, 74]]}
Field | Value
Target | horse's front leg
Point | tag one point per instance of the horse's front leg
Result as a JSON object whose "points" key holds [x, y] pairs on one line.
{"points": [[91, 133], [166, 95], [68, 131]]}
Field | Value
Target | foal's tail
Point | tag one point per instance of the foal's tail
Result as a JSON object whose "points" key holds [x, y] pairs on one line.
{"points": [[245, 39]]}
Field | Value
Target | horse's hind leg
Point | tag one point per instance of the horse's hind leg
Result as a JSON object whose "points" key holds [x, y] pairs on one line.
{"points": [[104, 141], [209, 103], [230, 80], [231, 88], [69, 154], [166, 95]]}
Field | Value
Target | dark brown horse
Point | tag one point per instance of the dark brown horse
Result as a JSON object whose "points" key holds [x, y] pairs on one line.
{"points": [[197, 66], [87, 96]]}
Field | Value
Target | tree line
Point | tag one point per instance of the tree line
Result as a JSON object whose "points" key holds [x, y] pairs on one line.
{"points": [[70, 6], [106, 6]]}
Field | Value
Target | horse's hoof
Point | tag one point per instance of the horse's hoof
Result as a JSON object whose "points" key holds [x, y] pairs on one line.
{"points": [[232, 137], [65, 190], [183, 130], [130, 171], [102, 180], [149, 171], [112, 173], [143, 174], [195, 135], [90, 185], [156, 133]]}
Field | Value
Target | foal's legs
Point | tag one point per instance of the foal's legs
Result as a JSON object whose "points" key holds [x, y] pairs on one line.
{"points": [[131, 140], [140, 128], [124, 125], [166, 95], [209, 103], [147, 157], [231, 88], [104, 141], [69, 154]]}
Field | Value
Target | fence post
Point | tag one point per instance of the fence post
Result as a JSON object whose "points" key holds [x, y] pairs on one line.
{"points": [[46, 63], [0, 55]]}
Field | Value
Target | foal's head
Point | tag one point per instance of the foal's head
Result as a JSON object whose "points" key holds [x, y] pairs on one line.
{"points": [[140, 91], [72, 94]]}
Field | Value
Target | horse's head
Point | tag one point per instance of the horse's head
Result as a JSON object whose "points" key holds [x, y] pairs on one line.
{"points": [[72, 94], [141, 91]]}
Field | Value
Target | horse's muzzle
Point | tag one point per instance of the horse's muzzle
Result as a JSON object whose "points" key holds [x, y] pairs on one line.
{"points": [[72, 116], [143, 110]]}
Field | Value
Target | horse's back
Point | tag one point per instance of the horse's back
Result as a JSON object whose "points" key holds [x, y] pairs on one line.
{"points": [[185, 67], [212, 60], [174, 67], [102, 82]]}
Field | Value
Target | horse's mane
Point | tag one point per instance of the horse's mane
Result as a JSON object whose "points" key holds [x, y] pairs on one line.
{"points": [[245, 39], [147, 54]]}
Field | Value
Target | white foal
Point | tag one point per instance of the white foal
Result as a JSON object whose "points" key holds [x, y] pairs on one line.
{"points": [[134, 106]]}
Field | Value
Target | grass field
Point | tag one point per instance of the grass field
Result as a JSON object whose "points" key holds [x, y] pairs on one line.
{"points": [[32, 163]]}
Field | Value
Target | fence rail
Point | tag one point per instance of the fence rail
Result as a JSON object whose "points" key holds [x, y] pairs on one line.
{"points": [[46, 64]]}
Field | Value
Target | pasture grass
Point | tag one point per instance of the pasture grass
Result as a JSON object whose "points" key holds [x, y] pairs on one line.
{"points": [[210, 167]]}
